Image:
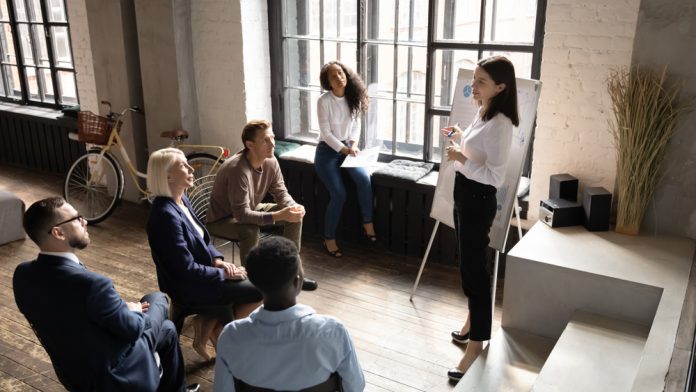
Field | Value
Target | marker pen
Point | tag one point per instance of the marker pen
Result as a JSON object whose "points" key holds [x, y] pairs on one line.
{"points": [[451, 132]]}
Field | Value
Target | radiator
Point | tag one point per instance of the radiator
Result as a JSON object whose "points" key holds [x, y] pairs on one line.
{"points": [[401, 213], [38, 142]]}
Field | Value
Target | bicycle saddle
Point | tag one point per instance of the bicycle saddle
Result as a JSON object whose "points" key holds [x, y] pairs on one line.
{"points": [[176, 134]]}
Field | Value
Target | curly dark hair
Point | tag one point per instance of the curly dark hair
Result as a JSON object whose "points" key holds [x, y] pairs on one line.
{"points": [[502, 71], [356, 92], [272, 264]]}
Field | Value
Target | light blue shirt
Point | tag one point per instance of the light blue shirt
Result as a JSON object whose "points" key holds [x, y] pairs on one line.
{"points": [[289, 349]]}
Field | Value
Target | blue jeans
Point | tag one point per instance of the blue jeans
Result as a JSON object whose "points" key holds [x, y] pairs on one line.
{"points": [[328, 165]]}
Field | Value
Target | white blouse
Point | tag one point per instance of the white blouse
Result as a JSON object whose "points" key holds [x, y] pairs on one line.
{"points": [[195, 224], [486, 144], [335, 121]]}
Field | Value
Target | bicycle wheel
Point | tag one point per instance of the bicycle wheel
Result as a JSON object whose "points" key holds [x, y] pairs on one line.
{"points": [[203, 163], [94, 186]]}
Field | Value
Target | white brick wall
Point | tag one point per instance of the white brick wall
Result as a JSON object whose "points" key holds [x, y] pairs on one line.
{"points": [[82, 54], [257, 59], [219, 70], [583, 41]]}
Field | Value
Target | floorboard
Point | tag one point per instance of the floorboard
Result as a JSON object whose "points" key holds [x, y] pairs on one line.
{"points": [[402, 346]]}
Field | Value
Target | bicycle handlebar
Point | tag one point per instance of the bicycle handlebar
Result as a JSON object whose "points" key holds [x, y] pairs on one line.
{"points": [[111, 114]]}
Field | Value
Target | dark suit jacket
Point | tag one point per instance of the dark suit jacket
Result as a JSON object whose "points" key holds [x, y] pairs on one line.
{"points": [[183, 259], [93, 340]]}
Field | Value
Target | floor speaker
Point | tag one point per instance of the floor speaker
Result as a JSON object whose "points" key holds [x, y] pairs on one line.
{"points": [[596, 202]]}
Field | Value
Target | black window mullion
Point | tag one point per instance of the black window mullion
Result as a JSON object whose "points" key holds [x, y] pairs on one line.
{"points": [[538, 39], [482, 27], [409, 70], [395, 76], [279, 62], [429, 85], [48, 36], [361, 50]]}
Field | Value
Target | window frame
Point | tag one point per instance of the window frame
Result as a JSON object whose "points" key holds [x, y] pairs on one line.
{"points": [[47, 26], [276, 24]]}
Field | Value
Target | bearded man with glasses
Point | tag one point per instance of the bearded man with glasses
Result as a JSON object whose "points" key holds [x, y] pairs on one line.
{"points": [[96, 341]]}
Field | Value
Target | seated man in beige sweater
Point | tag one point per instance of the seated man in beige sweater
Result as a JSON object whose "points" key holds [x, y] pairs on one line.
{"points": [[242, 183]]}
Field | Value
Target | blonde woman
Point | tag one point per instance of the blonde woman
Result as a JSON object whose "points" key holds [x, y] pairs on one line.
{"points": [[189, 268]]}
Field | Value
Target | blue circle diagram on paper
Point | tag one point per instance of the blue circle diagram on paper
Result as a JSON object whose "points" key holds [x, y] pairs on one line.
{"points": [[467, 90]]}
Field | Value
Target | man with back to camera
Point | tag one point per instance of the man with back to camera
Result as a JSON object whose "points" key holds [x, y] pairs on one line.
{"points": [[96, 341], [242, 182], [283, 345]]}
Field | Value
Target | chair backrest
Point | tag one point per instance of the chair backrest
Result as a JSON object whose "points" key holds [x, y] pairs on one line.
{"points": [[199, 196], [332, 384]]}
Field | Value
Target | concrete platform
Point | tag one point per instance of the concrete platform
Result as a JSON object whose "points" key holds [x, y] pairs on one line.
{"points": [[510, 362], [552, 273], [594, 354]]}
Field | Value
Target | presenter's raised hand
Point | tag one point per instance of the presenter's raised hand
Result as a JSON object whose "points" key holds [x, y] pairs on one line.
{"points": [[453, 132]]}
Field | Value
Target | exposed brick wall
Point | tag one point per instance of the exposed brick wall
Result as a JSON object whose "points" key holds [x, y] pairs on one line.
{"points": [[257, 59], [219, 70], [583, 41], [82, 54]]}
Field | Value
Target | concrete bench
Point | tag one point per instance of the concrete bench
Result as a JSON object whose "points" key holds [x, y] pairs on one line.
{"points": [[11, 212]]}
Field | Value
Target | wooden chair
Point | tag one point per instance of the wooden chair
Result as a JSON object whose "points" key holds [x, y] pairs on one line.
{"points": [[178, 311], [332, 384]]}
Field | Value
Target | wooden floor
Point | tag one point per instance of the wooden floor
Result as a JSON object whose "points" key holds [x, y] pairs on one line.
{"points": [[402, 346]]}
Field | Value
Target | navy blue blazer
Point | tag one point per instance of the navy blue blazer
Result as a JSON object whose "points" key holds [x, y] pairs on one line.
{"points": [[183, 259], [93, 340]]}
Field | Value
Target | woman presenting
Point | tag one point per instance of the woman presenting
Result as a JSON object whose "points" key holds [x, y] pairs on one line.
{"points": [[189, 268], [339, 112], [480, 163]]}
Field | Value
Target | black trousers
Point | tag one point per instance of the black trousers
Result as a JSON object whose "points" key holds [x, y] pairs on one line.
{"points": [[474, 210], [163, 338]]}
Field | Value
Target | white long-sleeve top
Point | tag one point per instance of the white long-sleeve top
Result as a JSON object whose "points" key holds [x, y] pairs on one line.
{"points": [[335, 122], [486, 144]]}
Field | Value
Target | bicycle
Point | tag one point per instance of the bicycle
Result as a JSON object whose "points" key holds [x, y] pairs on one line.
{"points": [[94, 183]]}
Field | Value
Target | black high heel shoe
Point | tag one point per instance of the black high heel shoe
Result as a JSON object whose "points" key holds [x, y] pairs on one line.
{"points": [[371, 238], [459, 338], [333, 253]]}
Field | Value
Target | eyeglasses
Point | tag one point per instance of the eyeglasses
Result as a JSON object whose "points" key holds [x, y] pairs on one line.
{"points": [[80, 217]]}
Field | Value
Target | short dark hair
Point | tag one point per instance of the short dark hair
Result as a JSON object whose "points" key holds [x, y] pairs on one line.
{"points": [[40, 217], [502, 71], [272, 264], [252, 128]]}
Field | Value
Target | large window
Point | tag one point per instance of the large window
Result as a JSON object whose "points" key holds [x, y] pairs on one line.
{"points": [[407, 52], [36, 64]]}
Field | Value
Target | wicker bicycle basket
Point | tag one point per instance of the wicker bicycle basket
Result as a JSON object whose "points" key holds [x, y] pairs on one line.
{"points": [[92, 128]]}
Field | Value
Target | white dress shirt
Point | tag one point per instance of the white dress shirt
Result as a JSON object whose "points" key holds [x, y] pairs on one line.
{"points": [[66, 255], [286, 350], [335, 122], [486, 144]]}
